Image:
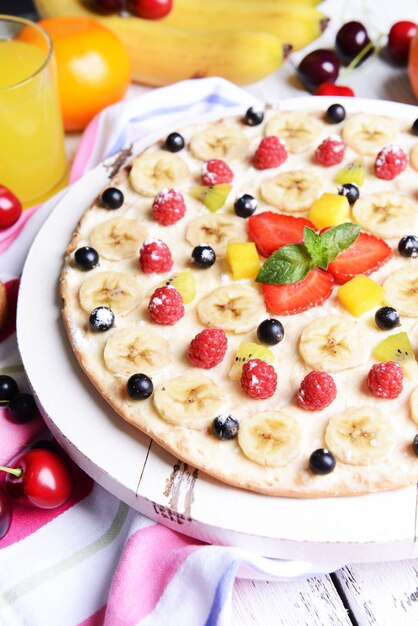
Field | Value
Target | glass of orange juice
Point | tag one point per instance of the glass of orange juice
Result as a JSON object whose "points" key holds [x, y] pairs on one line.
{"points": [[33, 163]]}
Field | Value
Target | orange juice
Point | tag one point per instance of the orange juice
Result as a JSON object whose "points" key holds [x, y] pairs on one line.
{"points": [[32, 158]]}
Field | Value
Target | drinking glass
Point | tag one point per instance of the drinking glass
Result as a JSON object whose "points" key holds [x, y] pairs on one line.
{"points": [[33, 163]]}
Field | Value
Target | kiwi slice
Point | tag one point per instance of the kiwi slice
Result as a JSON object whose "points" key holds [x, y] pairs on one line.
{"points": [[353, 172], [213, 196], [398, 348], [248, 350], [184, 282]]}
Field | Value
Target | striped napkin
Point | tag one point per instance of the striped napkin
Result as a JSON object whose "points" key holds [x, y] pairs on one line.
{"points": [[94, 561]]}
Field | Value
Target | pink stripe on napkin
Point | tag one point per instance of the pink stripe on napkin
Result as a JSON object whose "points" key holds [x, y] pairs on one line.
{"points": [[84, 150], [14, 437], [151, 558], [96, 619]]}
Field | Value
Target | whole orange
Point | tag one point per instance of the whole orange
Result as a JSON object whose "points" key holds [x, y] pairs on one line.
{"points": [[93, 67]]}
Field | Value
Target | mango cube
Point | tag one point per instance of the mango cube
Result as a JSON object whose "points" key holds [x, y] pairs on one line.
{"points": [[330, 209], [360, 294], [243, 260]]}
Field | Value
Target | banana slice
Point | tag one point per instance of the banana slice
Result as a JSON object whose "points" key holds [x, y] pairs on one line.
{"points": [[413, 156], [219, 142], [386, 214], [118, 291], [118, 238], [367, 134], [401, 289], [191, 400], [270, 438], [333, 343], [413, 405], [360, 436], [299, 131], [132, 350], [153, 171], [235, 308], [292, 191], [216, 231]]}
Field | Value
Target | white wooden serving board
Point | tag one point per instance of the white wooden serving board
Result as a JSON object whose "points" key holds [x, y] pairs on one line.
{"points": [[135, 469]]}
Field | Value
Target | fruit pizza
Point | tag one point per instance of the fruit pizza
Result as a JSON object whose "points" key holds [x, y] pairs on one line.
{"points": [[245, 292]]}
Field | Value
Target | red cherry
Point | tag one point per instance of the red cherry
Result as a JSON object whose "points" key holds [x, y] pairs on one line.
{"points": [[5, 513], [10, 208], [350, 40], [330, 89], [152, 9], [400, 36], [109, 6], [40, 478], [317, 67]]}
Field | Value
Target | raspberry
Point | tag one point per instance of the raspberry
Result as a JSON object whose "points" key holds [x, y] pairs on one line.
{"points": [[390, 162], [330, 151], [166, 306], [155, 256], [317, 390], [215, 172], [258, 379], [168, 207], [271, 152], [208, 348], [385, 380]]}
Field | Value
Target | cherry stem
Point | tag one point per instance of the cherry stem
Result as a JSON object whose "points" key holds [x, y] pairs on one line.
{"points": [[16, 471], [353, 64]]}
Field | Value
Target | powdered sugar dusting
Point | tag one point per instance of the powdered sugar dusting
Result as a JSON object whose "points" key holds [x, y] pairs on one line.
{"points": [[152, 240], [337, 145], [210, 177], [103, 316]]}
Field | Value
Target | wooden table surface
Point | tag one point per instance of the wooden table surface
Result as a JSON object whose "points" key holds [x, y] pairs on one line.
{"points": [[380, 594]]}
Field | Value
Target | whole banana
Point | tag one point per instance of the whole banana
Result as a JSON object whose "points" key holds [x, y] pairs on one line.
{"points": [[295, 23], [161, 54]]}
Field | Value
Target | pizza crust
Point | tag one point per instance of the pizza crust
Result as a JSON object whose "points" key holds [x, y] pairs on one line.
{"points": [[225, 460]]}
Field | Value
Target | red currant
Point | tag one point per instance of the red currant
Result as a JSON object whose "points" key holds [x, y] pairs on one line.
{"points": [[10, 208], [330, 89]]}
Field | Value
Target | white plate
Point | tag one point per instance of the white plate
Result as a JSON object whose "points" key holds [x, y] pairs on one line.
{"points": [[131, 466]]}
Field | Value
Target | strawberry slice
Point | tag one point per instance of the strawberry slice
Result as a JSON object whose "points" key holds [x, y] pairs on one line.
{"points": [[271, 231], [364, 256], [297, 297]]}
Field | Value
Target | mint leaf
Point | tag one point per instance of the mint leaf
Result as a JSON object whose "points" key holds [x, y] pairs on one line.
{"points": [[293, 262], [326, 247], [336, 240], [311, 240], [289, 264], [315, 247]]}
